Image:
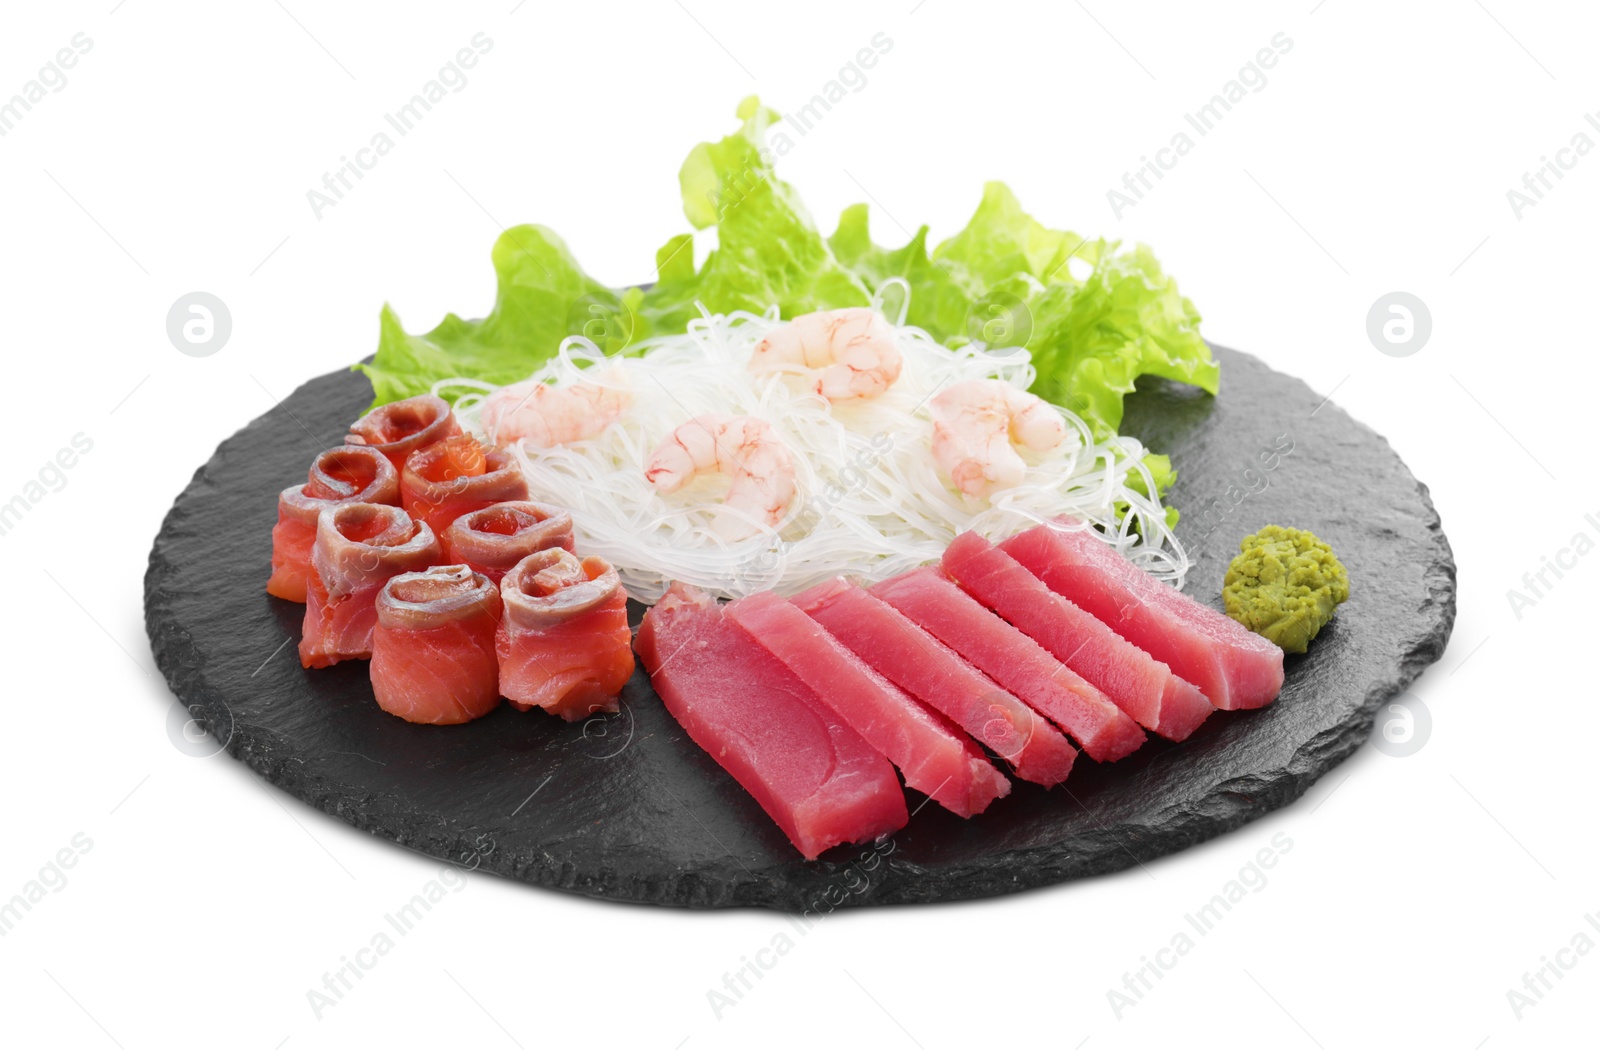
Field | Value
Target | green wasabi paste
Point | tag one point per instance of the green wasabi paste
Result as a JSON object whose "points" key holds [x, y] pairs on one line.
{"points": [[1284, 585]]}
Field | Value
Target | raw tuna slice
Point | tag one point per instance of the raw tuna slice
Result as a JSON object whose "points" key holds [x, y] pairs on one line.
{"points": [[457, 476], [495, 538], [813, 774], [925, 667], [564, 641], [359, 548], [1014, 660], [1144, 688], [433, 655], [1232, 666], [344, 474], [402, 427], [936, 758]]}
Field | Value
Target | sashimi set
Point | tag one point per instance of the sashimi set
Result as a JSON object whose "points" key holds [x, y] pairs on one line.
{"points": [[874, 506], [461, 591]]}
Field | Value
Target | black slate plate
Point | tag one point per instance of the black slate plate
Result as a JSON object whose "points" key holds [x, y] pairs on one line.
{"points": [[628, 808]]}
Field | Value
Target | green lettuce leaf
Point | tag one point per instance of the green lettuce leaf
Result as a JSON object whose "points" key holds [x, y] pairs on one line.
{"points": [[768, 251], [1005, 279], [537, 304], [1094, 316], [1091, 341]]}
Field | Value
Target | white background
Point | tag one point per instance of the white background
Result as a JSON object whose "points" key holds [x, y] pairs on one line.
{"points": [[1377, 158]]}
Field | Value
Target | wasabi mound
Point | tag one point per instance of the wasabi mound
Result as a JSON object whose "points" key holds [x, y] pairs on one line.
{"points": [[1284, 585]]}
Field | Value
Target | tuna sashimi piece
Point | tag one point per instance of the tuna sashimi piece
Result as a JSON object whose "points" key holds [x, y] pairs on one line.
{"points": [[925, 667], [359, 548], [1144, 688], [402, 427], [564, 640], [937, 759], [433, 657], [343, 474], [457, 476], [1232, 666], [495, 538], [1014, 660], [813, 774]]}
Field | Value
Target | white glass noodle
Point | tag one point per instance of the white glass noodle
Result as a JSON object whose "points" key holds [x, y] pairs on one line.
{"points": [[870, 500]]}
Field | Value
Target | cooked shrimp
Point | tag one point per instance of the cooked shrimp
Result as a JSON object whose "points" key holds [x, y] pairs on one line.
{"points": [[852, 352], [544, 416], [744, 449], [977, 423]]}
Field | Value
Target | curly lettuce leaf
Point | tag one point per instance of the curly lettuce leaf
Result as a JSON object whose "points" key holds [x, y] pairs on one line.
{"points": [[768, 251], [1091, 342], [768, 248], [1005, 279], [537, 303]]}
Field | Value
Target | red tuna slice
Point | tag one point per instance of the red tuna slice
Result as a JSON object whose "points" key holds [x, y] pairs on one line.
{"points": [[495, 538], [813, 774], [926, 668], [1014, 660], [1144, 688], [359, 548], [402, 427], [1232, 666], [433, 658], [937, 759], [343, 474], [564, 640], [457, 476]]}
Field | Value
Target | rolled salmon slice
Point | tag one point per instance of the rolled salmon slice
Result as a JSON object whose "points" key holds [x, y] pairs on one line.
{"points": [[812, 774], [564, 640], [344, 474], [1145, 688], [457, 476], [433, 658], [1235, 668], [1014, 660], [925, 667], [936, 758], [359, 548], [495, 538], [402, 427]]}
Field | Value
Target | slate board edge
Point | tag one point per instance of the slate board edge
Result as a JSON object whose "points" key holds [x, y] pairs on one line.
{"points": [[1232, 804]]}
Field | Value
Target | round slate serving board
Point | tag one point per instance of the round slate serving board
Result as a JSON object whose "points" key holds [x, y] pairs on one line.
{"points": [[627, 808]]}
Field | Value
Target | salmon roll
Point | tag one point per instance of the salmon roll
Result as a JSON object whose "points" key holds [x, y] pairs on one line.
{"points": [[345, 474], [564, 640], [457, 476], [433, 658], [359, 548], [494, 539], [402, 427]]}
